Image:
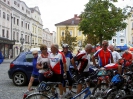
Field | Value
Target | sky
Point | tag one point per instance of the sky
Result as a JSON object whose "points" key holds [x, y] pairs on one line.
{"points": [[56, 11]]}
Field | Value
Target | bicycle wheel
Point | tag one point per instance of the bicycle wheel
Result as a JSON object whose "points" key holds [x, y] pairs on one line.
{"points": [[99, 89], [37, 96], [127, 97]]}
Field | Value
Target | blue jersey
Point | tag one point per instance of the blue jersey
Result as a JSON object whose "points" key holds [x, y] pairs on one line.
{"points": [[68, 57], [35, 70]]}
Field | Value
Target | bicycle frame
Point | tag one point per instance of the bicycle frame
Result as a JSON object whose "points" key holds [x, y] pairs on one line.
{"points": [[83, 91]]}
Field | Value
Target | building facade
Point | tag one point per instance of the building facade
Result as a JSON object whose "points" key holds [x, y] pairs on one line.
{"points": [[72, 25], [47, 37], [27, 24], [6, 41]]}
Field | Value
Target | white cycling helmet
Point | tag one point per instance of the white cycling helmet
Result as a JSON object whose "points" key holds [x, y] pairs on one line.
{"points": [[65, 46]]}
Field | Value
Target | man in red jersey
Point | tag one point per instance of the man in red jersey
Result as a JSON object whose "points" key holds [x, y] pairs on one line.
{"points": [[104, 57], [127, 57]]}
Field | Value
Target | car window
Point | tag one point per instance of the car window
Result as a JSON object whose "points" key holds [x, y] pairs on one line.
{"points": [[20, 57], [29, 57]]}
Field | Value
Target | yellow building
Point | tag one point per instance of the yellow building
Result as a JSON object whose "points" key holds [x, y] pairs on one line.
{"points": [[73, 28]]}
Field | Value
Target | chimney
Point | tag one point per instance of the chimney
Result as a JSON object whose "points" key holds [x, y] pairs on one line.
{"points": [[75, 15]]}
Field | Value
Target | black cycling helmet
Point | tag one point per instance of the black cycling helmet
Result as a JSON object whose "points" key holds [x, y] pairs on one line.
{"points": [[65, 46]]}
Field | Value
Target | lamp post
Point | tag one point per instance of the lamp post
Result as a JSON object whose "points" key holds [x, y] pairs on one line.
{"points": [[22, 42]]}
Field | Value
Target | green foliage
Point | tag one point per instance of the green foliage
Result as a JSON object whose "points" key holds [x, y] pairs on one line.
{"points": [[102, 18], [71, 41], [90, 39]]}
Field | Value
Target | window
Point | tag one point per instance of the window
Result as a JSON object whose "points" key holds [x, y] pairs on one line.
{"points": [[8, 2], [3, 33], [7, 34], [4, 0], [4, 16], [114, 40], [22, 8], [18, 5], [17, 36], [14, 20], [29, 57], [25, 38], [70, 33], [13, 35], [22, 23], [122, 40], [17, 21], [8, 17], [15, 2], [79, 33], [63, 34], [26, 25], [28, 39], [0, 13]]}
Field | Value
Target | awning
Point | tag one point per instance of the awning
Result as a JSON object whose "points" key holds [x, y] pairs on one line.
{"points": [[122, 48]]}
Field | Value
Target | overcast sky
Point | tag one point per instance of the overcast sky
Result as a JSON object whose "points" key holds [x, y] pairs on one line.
{"points": [[55, 11]]}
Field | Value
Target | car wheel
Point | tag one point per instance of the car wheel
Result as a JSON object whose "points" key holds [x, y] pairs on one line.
{"points": [[19, 79]]}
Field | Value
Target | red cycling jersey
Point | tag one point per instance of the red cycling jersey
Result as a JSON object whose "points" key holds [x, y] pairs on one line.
{"points": [[104, 57]]}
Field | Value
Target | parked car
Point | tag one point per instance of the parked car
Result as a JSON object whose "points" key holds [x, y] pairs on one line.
{"points": [[21, 68]]}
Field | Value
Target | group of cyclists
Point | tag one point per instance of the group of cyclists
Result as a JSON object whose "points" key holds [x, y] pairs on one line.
{"points": [[54, 66]]}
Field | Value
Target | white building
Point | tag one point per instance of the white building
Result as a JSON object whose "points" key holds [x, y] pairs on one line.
{"points": [[6, 41], [18, 21], [47, 37]]}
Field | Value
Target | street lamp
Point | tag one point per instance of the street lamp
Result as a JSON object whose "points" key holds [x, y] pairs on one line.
{"points": [[22, 42]]}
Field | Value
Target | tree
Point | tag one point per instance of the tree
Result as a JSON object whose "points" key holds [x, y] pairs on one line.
{"points": [[103, 19], [91, 39], [67, 38]]}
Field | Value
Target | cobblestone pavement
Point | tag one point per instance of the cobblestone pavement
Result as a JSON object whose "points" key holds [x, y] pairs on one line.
{"points": [[7, 89]]}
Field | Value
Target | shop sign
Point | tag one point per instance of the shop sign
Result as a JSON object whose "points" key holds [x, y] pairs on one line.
{"points": [[7, 41]]}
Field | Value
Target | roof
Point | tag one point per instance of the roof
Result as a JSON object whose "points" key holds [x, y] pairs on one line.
{"points": [[73, 21]]}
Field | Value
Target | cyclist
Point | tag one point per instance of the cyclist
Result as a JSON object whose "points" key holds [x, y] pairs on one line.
{"points": [[68, 56], [58, 66], [83, 59], [117, 58], [35, 73], [40, 61], [127, 56], [127, 59], [104, 57]]}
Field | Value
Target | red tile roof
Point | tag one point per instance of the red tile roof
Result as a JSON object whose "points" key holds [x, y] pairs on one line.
{"points": [[73, 21]]}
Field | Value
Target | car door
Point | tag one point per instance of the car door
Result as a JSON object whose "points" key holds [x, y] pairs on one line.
{"points": [[29, 63]]}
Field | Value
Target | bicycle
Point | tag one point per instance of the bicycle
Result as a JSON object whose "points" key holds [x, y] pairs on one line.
{"points": [[47, 87]]}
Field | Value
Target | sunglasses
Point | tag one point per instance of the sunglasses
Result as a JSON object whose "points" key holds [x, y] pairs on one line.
{"points": [[44, 49], [104, 44], [34, 54]]}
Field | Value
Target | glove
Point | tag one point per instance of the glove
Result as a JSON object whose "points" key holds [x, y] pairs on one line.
{"points": [[64, 76]]}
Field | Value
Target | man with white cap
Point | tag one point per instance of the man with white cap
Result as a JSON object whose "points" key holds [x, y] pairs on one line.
{"points": [[35, 73]]}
